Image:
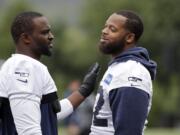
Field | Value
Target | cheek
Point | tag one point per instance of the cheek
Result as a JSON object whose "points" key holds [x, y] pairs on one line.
{"points": [[41, 40], [119, 37], [115, 37]]}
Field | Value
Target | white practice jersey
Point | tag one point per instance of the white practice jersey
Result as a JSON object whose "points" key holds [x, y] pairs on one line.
{"points": [[25, 81], [118, 75]]}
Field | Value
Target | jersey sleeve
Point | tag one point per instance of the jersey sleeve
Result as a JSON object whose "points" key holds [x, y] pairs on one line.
{"points": [[49, 85], [130, 74], [28, 81], [25, 93], [27, 117], [130, 93], [129, 110]]}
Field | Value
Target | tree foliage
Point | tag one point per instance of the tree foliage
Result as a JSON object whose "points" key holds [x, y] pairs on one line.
{"points": [[75, 48], [161, 38], [6, 18]]}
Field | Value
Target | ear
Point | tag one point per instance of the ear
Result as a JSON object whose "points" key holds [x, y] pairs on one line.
{"points": [[130, 38], [25, 38]]}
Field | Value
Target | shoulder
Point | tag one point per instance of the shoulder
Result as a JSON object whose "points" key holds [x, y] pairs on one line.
{"points": [[128, 74], [128, 67], [24, 63], [21, 67]]}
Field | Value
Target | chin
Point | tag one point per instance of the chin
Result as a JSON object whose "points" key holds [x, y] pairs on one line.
{"points": [[111, 49], [47, 53], [104, 48]]}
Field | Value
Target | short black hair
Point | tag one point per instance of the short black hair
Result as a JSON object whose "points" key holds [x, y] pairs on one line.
{"points": [[134, 23], [23, 23]]}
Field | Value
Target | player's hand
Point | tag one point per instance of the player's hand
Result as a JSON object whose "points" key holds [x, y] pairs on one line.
{"points": [[89, 80]]}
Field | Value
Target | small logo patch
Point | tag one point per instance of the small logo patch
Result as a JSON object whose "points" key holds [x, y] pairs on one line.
{"points": [[24, 81], [22, 74], [134, 79], [108, 79]]}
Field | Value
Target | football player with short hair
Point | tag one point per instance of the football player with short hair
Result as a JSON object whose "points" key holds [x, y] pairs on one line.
{"points": [[26, 87], [125, 92]]}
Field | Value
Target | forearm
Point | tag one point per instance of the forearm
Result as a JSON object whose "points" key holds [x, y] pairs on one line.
{"points": [[86, 88], [69, 104], [66, 109], [76, 99]]}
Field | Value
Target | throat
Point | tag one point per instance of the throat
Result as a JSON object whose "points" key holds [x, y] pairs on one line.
{"points": [[28, 53]]}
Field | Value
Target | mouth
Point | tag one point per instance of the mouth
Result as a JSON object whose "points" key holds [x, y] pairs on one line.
{"points": [[103, 39], [50, 45]]}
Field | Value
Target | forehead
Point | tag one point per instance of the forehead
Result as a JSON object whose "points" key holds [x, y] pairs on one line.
{"points": [[116, 20], [40, 23]]}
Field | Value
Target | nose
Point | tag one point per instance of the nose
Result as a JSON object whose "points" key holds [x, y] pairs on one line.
{"points": [[105, 30], [51, 36]]}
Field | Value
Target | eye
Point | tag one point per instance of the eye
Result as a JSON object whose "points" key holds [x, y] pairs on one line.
{"points": [[113, 29], [44, 32]]}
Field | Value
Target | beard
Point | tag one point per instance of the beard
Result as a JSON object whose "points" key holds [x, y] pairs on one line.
{"points": [[112, 48], [42, 49], [45, 50]]}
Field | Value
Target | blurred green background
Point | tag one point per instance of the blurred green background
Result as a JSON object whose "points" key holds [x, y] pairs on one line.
{"points": [[77, 25]]}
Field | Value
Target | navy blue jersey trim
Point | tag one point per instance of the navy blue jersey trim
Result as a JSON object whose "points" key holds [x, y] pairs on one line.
{"points": [[100, 122], [7, 126], [129, 107], [49, 98], [48, 120]]}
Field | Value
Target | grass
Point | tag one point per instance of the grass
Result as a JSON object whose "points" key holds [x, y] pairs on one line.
{"points": [[153, 131], [162, 132]]}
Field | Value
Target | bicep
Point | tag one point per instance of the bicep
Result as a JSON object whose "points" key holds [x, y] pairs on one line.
{"points": [[26, 114], [129, 107]]}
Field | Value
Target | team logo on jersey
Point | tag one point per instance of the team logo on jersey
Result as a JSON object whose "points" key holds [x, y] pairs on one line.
{"points": [[134, 81], [24, 81], [108, 79], [22, 74]]}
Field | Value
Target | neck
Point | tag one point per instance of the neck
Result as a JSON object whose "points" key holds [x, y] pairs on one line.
{"points": [[126, 47], [27, 53]]}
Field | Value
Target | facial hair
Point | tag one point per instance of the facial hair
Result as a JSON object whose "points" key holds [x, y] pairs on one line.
{"points": [[112, 48], [41, 49], [45, 50]]}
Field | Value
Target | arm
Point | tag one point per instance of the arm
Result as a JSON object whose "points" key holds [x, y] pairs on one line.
{"points": [[24, 93], [26, 114], [77, 97], [129, 107]]}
